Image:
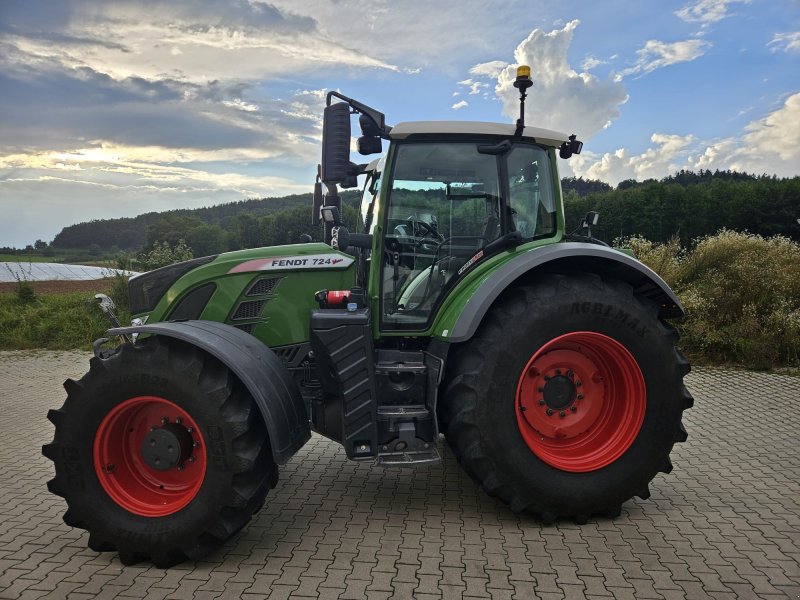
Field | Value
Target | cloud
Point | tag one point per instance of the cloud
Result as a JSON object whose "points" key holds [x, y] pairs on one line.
{"points": [[488, 69], [655, 55], [475, 87], [460, 104], [667, 155], [590, 62], [707, 11], [561, 98], [769, 145], [785, 42]]}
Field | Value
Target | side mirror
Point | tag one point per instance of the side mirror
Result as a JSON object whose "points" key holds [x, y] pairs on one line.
{"points": [[316, 204], [335, 166], [368, 126], [369, 145]]}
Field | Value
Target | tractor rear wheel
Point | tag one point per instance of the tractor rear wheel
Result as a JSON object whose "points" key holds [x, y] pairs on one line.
{"points": [[568, 399], [160, 453]]}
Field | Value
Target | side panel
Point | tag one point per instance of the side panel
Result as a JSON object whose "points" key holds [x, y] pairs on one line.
{"points": [[265, 377], [591, 258], [277, 312]]}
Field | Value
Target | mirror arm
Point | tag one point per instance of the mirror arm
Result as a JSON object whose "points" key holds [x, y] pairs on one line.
{"points": [[376, 116]]}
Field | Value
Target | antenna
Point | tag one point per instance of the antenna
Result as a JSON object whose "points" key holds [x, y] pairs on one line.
{"points": [[522, 83]]}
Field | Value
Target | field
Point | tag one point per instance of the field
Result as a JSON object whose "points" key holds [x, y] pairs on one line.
{"points": [[26, 258], [95, 286]]}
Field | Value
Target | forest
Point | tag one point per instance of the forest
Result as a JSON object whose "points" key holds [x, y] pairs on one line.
{"points": [[688, 205]]}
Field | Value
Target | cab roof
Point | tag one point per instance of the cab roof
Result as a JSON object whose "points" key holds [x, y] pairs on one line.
{"points": [[548, 137]]}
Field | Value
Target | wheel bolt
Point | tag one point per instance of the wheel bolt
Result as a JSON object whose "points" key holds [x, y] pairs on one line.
{"points": [[180, 467], [164, 420], [541, 402], [570, 374], [191, 458], [573, 408], [558, 371], [195, 444], [562, 414], [579, 383], [541, 389], [178, 420], [110, 468], [549, 411], [580, 396], [190, 429], [522, 409]]}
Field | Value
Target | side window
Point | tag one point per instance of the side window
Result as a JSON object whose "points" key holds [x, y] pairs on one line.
{"points": [[530, 191]]}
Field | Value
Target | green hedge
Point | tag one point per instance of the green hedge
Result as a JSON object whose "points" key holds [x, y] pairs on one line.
{"points": [[741, 293]]}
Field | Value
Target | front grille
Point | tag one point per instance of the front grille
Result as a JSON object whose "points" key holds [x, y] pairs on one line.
{"points": [[248, 310], [263, 286]]}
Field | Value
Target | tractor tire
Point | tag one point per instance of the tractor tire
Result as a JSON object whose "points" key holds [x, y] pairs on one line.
{"points": [[568, 399], [160, 453]]}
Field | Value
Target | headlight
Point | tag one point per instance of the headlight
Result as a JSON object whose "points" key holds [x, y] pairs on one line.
{"points": [[145, 290]]}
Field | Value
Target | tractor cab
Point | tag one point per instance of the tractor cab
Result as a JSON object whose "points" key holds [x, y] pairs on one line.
{"points": [[446, 196]]}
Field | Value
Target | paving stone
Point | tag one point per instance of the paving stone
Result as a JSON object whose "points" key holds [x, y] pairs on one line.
{"points": [[725, 524]]}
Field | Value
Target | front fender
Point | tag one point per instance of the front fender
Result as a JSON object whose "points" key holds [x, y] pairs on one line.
{"points": [[262, 373], [576, 256]]}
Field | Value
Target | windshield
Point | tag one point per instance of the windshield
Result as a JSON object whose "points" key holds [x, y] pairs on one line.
{"points": [[445, 206]]}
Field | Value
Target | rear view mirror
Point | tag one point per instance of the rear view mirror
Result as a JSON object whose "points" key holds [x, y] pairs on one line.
{"points": [[369, 145], [336, 143]]}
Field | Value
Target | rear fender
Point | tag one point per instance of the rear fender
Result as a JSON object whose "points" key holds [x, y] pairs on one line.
{"points": [[262, 373], [568, 256]]}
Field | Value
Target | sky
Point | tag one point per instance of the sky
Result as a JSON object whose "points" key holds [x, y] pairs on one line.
{"points": [[112, 109]]}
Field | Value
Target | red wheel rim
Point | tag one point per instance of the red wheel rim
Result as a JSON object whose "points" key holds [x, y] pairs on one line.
{"points": [[122, 470], [580, 401]]}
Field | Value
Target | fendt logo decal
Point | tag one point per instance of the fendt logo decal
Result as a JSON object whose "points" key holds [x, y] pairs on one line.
{"points": [[287, 263], [471, 262]]}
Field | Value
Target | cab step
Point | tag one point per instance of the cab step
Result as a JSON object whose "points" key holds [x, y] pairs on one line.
{"points": [[429, 456]]}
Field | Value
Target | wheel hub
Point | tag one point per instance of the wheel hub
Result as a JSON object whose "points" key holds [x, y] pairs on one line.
{"points": [[149, 456], [580, 401], [559, 392], [167, 447]]}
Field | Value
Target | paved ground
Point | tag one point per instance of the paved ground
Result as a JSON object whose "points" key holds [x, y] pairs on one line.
{"points": [[724, 524]]}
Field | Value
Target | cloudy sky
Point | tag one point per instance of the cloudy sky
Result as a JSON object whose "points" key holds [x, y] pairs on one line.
{"points": [[117, 108]]}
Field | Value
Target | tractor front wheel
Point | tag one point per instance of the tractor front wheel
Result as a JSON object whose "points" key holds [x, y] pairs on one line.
{"points": [[160, 453], [568, 399]]}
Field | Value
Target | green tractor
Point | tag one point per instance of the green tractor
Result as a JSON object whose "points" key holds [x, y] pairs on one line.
{"points": [[459, 307]]}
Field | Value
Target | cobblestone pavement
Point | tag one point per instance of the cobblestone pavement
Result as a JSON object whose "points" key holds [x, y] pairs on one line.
{"points": [[724, 524]]}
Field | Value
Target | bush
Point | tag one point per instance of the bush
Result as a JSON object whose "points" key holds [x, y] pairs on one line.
{"points": [[741, 293], [162, 254]]}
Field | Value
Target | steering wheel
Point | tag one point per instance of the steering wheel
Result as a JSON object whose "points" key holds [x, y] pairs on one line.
{"points": [[429, 231]]}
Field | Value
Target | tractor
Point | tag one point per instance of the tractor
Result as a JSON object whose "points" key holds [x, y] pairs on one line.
{"points": [[458, 305]]}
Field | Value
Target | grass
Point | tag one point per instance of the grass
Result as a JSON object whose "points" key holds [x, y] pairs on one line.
{"points": [[51, 321], [26, 258]]}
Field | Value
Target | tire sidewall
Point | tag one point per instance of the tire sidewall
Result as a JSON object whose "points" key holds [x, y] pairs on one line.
{"points": [[610, 312]]}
